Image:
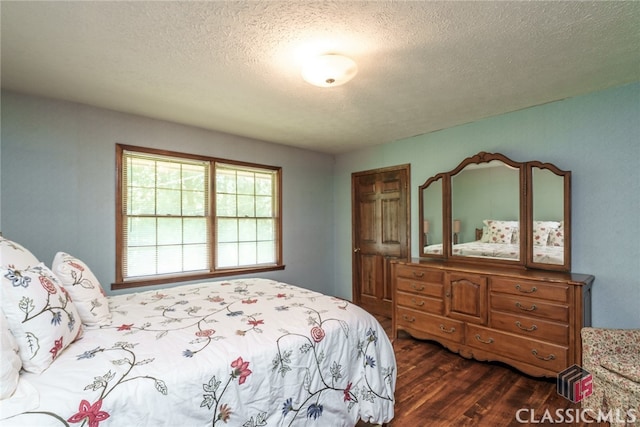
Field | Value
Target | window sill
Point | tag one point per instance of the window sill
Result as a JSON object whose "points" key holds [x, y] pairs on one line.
{"points": [[159, 280]]}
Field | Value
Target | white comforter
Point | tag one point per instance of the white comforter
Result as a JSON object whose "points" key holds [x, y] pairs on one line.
{"points": [[251, 352]]}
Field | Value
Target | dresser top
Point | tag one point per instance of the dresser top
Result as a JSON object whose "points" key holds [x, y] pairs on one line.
{"points": [[529, 274]]}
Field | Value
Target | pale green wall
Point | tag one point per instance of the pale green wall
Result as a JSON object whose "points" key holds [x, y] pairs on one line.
{"points": [[596, 136], [58, 188], [58, 183]]}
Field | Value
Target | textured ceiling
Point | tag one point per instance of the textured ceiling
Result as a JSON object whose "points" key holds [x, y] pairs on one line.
{"points": [[234, 66]]}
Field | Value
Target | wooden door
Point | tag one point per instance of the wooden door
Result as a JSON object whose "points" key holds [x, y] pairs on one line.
{"points": [[380, 212]]}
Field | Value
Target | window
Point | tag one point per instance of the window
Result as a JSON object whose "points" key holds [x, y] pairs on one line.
{"points": [[174, 222]]}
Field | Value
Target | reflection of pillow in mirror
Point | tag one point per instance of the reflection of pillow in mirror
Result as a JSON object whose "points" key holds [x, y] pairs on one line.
{"points": [[485, 234], [500, 231], [556, 237], [515, 237], [542, 230], [501, 223], [547, 224]]}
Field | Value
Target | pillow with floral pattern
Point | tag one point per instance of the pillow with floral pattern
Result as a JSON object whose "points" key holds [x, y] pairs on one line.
{"points": [[84, 288], [12, 253], [542, 230], [11, 362], [40, 313], [500, 231], [556, 237]]}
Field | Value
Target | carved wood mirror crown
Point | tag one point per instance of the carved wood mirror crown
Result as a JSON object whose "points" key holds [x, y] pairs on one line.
{"points": [[493, 210]]}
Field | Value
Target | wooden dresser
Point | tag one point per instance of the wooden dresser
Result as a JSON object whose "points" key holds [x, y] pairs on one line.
{"points": [[529, 319]]}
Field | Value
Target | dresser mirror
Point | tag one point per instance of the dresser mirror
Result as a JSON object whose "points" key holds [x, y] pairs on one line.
{"points": [[493, 210], [550, 224], [432, 214]]}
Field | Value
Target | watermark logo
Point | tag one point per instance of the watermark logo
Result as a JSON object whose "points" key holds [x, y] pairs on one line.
{"points": [[575, 383]]}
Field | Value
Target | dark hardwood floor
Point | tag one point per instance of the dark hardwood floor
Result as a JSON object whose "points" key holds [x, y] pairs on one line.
{"points": [[436, 387]]}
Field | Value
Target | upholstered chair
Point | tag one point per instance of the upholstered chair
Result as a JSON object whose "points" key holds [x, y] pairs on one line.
{"points": [[612, 357]]}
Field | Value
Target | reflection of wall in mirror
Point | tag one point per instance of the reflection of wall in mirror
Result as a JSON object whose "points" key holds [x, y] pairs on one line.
{"points": [[432, 212], [548, 195], [484, 193]]}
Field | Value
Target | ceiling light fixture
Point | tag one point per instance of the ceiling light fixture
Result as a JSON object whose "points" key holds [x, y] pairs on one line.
{"points": [[329, 70]]}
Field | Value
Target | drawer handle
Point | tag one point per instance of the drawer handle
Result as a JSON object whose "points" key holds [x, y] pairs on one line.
{"points": [[549, 357], [489, 341], [408, 319], [524, 291], [448, 331], [531, 329], [418, 275], [417, 288], [419, 304], [522, 307]]}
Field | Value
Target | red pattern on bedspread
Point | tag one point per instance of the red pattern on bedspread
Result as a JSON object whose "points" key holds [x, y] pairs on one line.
{"points": [[250, 352]]}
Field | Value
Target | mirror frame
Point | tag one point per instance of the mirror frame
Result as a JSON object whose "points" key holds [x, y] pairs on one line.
{"points": [[566, 175], [445, 198], [526, 220]]}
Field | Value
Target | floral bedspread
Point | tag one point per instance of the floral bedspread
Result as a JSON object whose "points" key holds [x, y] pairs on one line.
{"points": [[251, 352]]}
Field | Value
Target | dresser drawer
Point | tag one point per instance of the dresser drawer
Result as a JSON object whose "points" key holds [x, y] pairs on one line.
{"points": [[531, 327], [544, 355], [419, 302], [419, 274], [530, 307], [514, 286], [430, 324], [423, 288]]}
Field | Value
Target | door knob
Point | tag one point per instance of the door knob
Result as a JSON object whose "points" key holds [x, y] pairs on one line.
{"points": [[356, 250]]}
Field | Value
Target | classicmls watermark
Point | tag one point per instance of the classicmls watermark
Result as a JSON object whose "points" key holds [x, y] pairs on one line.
{"points": [[574, 383], [577, 415]]}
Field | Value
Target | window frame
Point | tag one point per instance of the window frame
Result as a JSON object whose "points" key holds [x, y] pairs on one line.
{"points": [[123, 283]]}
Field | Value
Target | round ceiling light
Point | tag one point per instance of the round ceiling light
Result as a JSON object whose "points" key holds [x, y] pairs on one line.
{"points": [[329, 70]]}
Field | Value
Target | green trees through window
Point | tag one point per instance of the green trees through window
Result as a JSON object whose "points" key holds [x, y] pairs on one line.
{"points": [[173, 223]]}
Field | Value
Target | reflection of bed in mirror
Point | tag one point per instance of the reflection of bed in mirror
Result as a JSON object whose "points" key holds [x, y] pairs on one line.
{"points": [[501, 240]]}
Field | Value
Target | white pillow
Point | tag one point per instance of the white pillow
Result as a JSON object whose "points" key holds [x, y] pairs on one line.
{"points": [[84, 288], [11, 363], [41, 314], [12, 253]]}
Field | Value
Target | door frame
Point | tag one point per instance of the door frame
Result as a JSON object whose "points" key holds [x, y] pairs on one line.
{"points": [[355, 294]]}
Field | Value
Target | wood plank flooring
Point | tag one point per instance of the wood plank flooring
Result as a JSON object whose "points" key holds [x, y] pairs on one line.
{"points": [[438, 388]]}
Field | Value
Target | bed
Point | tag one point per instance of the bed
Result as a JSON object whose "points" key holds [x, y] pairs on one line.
{"points": [[248, 352], [500, 240]]}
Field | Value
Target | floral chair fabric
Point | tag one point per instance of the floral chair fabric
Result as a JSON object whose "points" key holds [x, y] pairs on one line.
{"points": [[612, 356]]}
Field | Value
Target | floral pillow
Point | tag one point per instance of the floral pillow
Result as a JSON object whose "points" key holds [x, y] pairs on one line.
{"points": [[12, 253], [542, 230], [11, 363], [556, 237], [500, 231], [41, 315], [84, 288]]}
